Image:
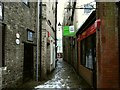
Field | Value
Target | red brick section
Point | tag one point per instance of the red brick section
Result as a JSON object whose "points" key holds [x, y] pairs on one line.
{"points": [[107, 47]]}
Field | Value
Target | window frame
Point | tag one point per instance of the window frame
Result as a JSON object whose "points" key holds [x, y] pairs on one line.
{"points": [[31, 39]]}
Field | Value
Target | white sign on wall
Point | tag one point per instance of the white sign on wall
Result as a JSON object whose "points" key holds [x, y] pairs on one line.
{"points": [[71, 29], [17, 41]]}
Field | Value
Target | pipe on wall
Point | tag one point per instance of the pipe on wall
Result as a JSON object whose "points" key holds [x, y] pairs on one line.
{"points": [[38, 12], [56, 31], [40, 17]]}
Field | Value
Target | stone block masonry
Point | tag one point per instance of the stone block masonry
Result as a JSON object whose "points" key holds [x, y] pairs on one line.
{"points": [[18, 17], [43, 44], [0, 78]]}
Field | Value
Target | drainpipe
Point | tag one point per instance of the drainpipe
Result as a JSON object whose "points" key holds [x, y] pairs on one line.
{"points": [[40, 36], [38, 11], [56, 32]]}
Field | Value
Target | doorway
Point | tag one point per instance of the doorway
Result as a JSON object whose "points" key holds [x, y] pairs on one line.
{"points": [[28, 62], [2, 44]]}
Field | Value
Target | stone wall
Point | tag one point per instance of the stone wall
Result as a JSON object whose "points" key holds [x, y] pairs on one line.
{"points": [[46, 15], [0, 78], [43, 44], [50, 17], [18, 17]]}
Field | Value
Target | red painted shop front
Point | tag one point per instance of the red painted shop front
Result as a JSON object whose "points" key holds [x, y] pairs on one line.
{"points": [[87, 54]]}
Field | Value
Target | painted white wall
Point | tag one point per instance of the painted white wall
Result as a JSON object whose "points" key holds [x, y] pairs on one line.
{"points": [[79, 13], [52, 52], [59, 39], [60, 15]]}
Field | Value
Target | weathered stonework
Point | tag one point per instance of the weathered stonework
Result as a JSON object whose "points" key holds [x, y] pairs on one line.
{"points": [[18, 17], [0, 78], [50, 27], [44, 55], [47, 14]]}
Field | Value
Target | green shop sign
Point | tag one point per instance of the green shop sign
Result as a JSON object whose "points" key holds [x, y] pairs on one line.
{"points": [[68, 31]]}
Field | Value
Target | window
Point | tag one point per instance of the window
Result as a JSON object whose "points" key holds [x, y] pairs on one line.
{"points": [[1, 11], [29, 35], [88, 56]]}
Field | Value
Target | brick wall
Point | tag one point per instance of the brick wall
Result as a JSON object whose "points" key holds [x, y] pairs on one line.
{"points": [[107, 47]]}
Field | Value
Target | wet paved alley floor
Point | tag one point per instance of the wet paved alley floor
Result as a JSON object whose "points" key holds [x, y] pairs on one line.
{"points": [[63, 76]]}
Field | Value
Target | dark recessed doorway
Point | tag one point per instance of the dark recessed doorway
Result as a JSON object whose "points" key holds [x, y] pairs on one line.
{"points": [[28, 62]]}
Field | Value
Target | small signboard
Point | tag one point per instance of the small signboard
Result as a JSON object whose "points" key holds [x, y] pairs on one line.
{"points": [[68, 31], [71, 29]]}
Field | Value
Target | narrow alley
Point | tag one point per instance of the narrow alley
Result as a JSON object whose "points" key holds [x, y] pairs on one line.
{"points": [[63, 76], [59, 44]]}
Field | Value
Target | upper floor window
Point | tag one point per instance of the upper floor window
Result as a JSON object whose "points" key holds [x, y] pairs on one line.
{"points": [[1, 11]]}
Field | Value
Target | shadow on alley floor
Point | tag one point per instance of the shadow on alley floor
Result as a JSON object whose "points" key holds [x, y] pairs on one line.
{"points": [[63, 77]]}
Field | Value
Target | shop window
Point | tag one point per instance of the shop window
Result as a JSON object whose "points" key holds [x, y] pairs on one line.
{"points": [[88, 51]]}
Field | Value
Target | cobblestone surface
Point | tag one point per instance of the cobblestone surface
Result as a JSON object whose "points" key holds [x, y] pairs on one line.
{"points": [[63, 77]]}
